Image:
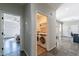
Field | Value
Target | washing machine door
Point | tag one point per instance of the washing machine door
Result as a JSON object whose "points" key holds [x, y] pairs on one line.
{"points": [[37, 38], [42, 40]]}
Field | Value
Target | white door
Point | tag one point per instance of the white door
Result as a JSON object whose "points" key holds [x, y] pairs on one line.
{"points": [[1, 32]]}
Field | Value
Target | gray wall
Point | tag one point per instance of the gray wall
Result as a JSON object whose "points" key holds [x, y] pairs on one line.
{"points": [[27, 41]]}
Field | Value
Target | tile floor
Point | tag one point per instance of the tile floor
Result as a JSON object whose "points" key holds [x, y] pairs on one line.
{"points": [[12, 48], [65, 47]]}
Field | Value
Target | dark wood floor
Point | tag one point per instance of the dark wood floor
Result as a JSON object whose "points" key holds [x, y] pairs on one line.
{"points": [[12, 48]]}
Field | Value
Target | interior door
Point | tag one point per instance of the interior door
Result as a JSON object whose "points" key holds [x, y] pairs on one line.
{"points": [[1, 32]]}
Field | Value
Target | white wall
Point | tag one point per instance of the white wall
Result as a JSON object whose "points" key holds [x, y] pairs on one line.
{"points": [[51, 41], [70, 26], [15, 9], [66, 31], [11, 29], [58, 28]]}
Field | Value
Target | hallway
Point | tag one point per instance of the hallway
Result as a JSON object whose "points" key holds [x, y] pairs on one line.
{"points": [[12, 48], [67, 48]]}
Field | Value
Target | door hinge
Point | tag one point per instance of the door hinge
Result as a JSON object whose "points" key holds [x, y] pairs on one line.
{"points": [[2, 33], [2, 17], [2, 48]]}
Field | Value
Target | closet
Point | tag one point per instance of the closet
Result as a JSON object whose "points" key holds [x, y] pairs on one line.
{"points": [[41, 29]]}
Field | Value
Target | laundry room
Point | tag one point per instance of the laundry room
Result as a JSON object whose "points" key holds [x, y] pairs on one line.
{"points": [[41, 33]]}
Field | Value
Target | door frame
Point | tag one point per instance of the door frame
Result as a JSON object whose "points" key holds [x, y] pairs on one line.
{"points": [[2, 30], [40, 12], [19, 30], [59, 33]]}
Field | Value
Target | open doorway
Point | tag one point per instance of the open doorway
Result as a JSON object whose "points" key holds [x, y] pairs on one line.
{"points": [[11, 40], [58, 33], [42, 31]]}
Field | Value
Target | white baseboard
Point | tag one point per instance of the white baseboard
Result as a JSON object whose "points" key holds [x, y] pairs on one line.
{"points": [[52, 48], [67, 36], [25, 52]]}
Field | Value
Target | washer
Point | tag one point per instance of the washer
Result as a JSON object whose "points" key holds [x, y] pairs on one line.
{"points": [[42, 40]]}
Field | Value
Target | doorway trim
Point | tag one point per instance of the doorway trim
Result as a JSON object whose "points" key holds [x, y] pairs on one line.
{"points": [[42, 13], [19, 29]]}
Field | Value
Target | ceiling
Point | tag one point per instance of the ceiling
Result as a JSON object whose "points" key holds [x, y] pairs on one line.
{"points": [[19, 4], [22, 4], [68, 12], [54, 6]]}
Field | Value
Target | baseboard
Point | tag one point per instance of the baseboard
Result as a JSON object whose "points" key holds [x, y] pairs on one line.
{"points": [[55, 45], [25, 52], [53, 49], [67, 36]]}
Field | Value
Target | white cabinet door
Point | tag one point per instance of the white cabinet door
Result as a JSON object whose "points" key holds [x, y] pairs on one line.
{"points": [[1, 32]]}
